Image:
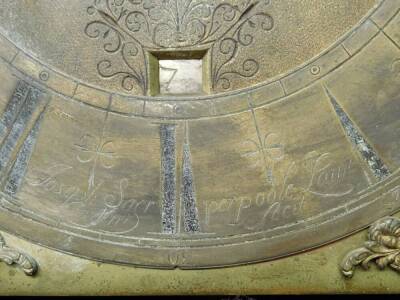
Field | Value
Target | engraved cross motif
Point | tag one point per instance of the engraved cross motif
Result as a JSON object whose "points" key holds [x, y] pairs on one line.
{"points": [[95, 151]]}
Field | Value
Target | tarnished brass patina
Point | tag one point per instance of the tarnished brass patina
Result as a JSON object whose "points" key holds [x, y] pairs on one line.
{"points": [[383, 247], [12, 256], [197, 134]]}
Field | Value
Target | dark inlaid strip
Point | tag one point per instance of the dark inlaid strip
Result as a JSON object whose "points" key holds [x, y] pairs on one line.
{"points": [[18, 170], [367, 152], [13, 108], [18, 127], [188, 193], [168, 176]]}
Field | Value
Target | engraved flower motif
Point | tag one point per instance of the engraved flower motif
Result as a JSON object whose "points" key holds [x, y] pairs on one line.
{"points": [[268, 151], [93, 149], [96, 151]]}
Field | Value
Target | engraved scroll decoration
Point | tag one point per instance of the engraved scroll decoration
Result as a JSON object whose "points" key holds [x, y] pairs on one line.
{"points": [[382, 247], [129, 28], [11, 256]]}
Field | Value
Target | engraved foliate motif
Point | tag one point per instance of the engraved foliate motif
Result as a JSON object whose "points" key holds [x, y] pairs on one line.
{"points": [[11, 256], [131, 28], [382, 247]]}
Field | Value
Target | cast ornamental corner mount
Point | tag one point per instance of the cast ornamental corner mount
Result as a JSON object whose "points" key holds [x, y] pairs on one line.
{"points": [[11, 256], [382, 247]]}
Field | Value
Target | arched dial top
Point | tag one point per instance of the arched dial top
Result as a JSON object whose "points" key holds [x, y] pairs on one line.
{"points": [[170, 133]]}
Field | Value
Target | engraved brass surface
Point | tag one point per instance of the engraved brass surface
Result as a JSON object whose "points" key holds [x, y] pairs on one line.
{"points": [[285, 135]]}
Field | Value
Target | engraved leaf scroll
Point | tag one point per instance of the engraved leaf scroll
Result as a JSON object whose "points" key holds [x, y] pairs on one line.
{"points": [[129, 28], [382, 247]]}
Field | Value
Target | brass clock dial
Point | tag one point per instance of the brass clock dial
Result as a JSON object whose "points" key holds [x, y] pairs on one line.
{"points": [[197, 134]]}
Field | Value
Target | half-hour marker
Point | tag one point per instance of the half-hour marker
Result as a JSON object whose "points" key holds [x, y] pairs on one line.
{"points": [[168, 177], [19, 126], [185, 212], [366, 151], [12, 109], [20, 165], [188, 193]]}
